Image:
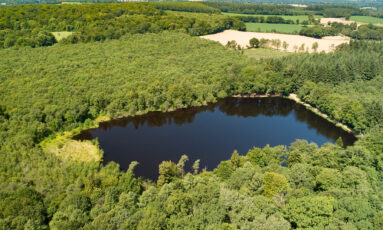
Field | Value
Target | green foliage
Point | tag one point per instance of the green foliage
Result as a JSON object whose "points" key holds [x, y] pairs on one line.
{"points": [[273, 28], [181, 164], [263, 53], [168, 171], [345, 74], [284, 9], [274, 184], [354, 210], [293, 19], [261, 19], [24, 207], [369, 32], [378, 220], [308, 212], [328, 179], [254, 43], [367, 19], [145, 91], [195, 167], [258, 157], [128, 183], [32, 25], [314, 31], [49, 90], [224, 170], [362, 32], [235, 159], [73, 213], [186, 7]]}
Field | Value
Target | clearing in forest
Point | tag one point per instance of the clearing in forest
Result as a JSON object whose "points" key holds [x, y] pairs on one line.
{"points": [[264, 53], [65, 148], [295, 42], [61, 35], [269, 27]]}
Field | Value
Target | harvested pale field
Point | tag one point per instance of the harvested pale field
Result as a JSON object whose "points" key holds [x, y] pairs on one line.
{"points": [[325, 44], [360, 20], [325, 21], [298, 5]]}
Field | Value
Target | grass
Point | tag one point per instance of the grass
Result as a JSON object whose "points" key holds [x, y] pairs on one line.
{"points": [[291, 17], [264, 53], [278, 28], [102, 119], [64, 147], [367, 19], [61, 35]]}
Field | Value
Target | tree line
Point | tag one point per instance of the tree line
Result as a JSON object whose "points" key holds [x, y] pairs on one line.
{"points": [[362, 32], [280, 9], [186, 7], [267, 19], [31, 25], [49, 90]]}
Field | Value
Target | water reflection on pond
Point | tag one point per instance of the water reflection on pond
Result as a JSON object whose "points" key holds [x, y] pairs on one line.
{"points": [[210, 133]]}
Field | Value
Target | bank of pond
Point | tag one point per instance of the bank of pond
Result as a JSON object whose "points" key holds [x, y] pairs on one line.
{"points": [[210, 133]]}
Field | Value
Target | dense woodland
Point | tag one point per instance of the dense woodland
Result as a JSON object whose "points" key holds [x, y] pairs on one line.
{"points": [[278, 9], [266, 19], [362, 32], [48, 90], [358, 3], [31, 25]]}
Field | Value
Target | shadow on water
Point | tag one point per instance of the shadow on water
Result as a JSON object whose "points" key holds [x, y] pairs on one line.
{"points": [[210, 133]]}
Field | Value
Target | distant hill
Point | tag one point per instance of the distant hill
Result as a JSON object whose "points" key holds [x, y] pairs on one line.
{"points": [[357, 3]]}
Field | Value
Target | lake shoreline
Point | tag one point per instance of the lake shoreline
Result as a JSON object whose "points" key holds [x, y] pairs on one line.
{"points": [[295, 98], [211, 133]]}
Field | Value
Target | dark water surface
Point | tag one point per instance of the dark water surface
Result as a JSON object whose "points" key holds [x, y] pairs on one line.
{"points": [[210, 133]]}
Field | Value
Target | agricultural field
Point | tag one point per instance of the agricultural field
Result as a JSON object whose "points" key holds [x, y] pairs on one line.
{"points": [[296, 43], [286, 17], [367, 19], [326, 21], [278, 28], [264, 53], [360, 20]]}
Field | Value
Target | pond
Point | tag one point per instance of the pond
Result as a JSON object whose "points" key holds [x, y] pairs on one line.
{"points": [[210, 133]]}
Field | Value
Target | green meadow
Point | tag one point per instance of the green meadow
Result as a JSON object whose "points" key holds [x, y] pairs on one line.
{"points": [[278, 28], [264, 53], [286, 17], [367, 19]]}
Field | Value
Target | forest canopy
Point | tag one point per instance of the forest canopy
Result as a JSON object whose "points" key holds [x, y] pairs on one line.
{"points": [[49, 93], [31, 25], [254, 190]]}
